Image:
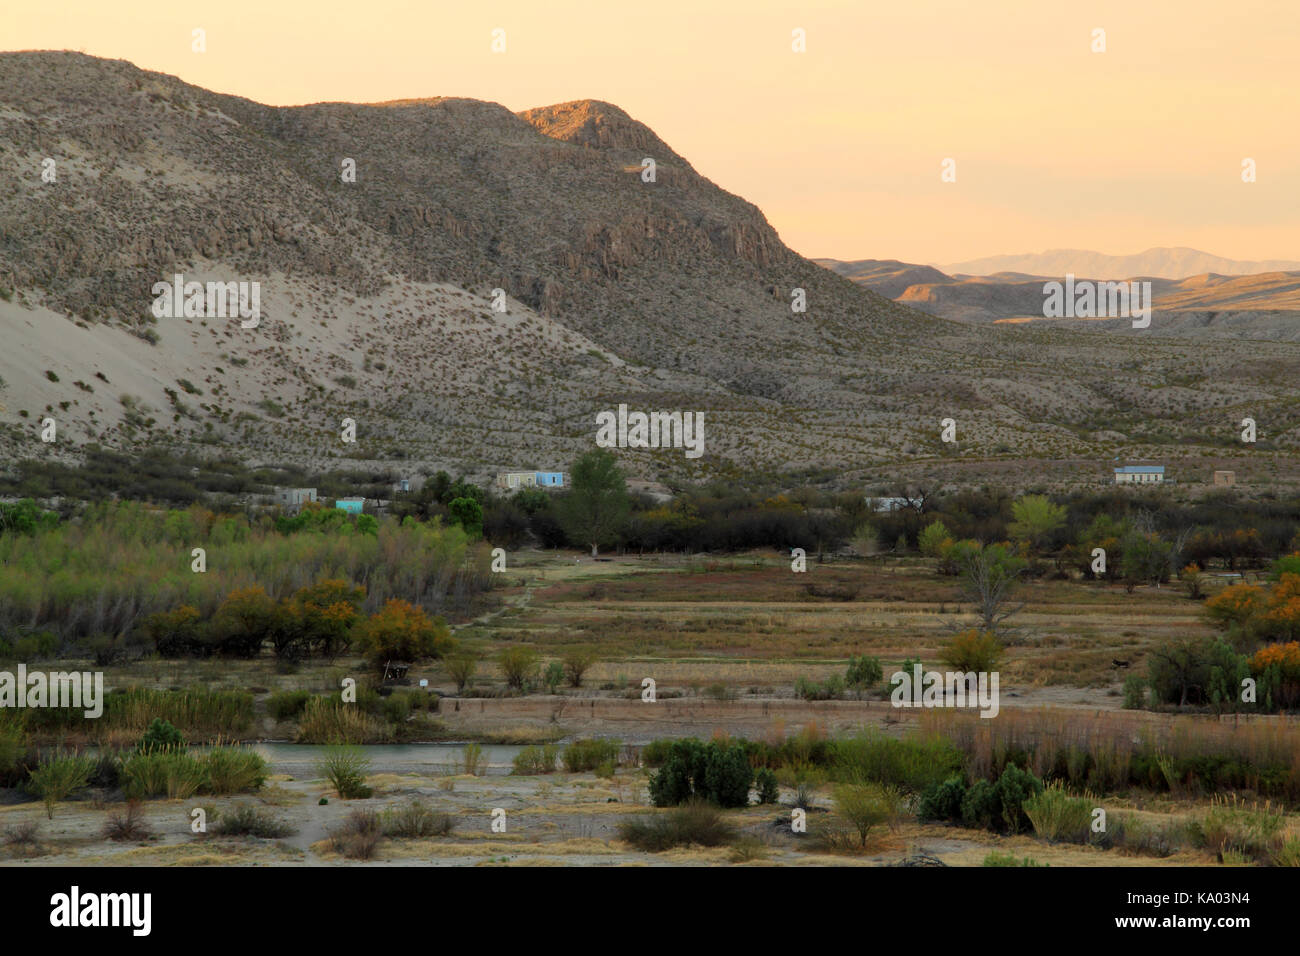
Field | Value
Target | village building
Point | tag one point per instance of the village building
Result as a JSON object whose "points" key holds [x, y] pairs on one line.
{"points": [[514, 480], [1140, 475], [1224, 479], [292, 499]]}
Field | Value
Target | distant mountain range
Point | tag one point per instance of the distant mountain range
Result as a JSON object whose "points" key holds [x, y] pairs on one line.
{"points": [[1266, 304], [1177, 262]]}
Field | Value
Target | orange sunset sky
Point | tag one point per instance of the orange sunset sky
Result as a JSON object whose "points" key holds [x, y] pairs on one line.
{"points": [[1055, 146]]}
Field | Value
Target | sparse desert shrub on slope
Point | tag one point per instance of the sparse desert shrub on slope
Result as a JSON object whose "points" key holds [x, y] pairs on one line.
{"points": [[695, 822], [357, 838], [248, 820], [415, 819], [129, 826]]}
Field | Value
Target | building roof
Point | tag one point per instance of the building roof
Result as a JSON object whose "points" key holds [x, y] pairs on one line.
{"points": [[1140, 470]]}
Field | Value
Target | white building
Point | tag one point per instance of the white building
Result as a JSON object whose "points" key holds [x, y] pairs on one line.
{"points": [[1140, 475], [291, 499]]}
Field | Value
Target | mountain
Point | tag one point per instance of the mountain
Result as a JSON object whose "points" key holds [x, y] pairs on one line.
{"points": [[1164, 263], [1265, 305], [378, 303]]}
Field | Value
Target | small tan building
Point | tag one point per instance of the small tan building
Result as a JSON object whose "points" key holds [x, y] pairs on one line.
{"points": [[1223, 479]]}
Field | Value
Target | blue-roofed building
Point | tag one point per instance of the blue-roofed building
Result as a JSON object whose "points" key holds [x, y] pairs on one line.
{"points": [[1140, 475], [352, 506]]}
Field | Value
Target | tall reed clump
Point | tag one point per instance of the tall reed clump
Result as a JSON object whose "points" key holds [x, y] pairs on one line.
{"points": [[198, 712], [173, 771], [58, 777], [1233, 827], [327, 721], [912, 764], [233, 770], [1059, 817]]}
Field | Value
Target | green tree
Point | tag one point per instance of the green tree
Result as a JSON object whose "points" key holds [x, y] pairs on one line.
{"points": [[467, 513], [931, 540], [1035, 519], [597, 504]]}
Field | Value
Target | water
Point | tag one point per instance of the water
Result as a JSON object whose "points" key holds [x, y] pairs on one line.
{"points": [[300, 760]]}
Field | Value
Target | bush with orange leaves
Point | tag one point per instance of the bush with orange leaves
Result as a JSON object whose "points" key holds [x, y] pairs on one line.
{"points": [[1237, 605], [400, 631], [972, 650], [1282, 620], [1277, 667]]}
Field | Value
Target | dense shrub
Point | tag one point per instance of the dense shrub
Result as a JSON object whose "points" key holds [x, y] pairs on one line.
{"points": [[718, 772], [288, 704], [161, 735], [583, 755], [942, 801], [995, 806]]}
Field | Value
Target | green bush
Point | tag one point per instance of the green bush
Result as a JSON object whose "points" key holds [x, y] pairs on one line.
{"points": [[694, 823], [912, 764], [765, 781], [717, 772], [535, 760], [160, 735], [656, 752], [1135, 692], [246, 820], [288, 704], [1058, 817], [233, 770], [518, 665], [415, 819], [1000, 806], [582, 755], [58, 777], [176, 773], [1009, 859], [863, 673], [346, 768], [943, 801]]}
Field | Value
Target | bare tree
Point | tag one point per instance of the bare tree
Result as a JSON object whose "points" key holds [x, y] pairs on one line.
{"points": [[989, 576]]}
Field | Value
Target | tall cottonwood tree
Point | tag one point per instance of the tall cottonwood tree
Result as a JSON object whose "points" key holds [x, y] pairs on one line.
{"points": [[597, 504]]}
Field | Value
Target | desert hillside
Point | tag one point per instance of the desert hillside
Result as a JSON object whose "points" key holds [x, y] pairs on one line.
{"points": [[377, 303]]}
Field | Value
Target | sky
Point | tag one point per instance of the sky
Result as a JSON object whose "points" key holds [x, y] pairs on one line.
{"points": [[842, 145]]}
